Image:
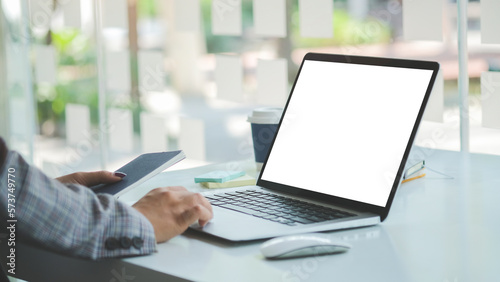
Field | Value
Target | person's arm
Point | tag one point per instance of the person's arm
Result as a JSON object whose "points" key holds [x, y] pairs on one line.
{"points": [[75, 221], [170, 209], [81, 223]]}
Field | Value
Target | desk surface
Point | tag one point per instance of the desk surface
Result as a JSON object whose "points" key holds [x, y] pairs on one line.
{"points": [[439, 229]]}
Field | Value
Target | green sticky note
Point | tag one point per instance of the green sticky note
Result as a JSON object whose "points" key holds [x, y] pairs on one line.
{"points": [[244, 180], [219, 176]]}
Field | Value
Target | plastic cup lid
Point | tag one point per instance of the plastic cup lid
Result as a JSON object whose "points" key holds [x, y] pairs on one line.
{"points": [[267, 115]]}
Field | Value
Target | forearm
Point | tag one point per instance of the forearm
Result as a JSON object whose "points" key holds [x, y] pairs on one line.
{"points": [[71, 218]]}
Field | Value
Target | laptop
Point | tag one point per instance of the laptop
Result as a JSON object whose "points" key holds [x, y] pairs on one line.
{"points": [[339, 152]]}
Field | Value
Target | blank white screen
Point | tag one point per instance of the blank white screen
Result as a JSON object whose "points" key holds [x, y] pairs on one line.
{"points": [[346, 128]]}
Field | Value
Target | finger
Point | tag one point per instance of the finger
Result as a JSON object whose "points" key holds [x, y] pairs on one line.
{"points": [[203, 201], [205, 216], [204, 222], [206, 211], [101, 177], [197, 199], [196, 213]]}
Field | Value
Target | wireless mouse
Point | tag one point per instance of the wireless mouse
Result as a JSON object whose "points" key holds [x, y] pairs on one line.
{"points": [[312, 244]]}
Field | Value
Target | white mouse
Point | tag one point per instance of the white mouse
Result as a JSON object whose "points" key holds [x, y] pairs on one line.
{"points": [[312, 244]]}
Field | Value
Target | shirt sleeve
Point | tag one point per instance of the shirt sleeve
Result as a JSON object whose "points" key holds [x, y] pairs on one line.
{"points": [[71, 218]]}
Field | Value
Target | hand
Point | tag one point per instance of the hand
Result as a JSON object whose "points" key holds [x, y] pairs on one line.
{"points": [[172, 209], [91, 178]]}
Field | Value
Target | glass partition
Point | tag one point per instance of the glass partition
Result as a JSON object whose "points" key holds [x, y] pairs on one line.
{"points": [[92, 84]]}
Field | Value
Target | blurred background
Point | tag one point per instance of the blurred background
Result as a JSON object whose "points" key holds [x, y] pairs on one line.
{"points": [[92, 84]]}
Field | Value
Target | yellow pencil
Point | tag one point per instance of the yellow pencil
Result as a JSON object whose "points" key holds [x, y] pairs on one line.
{"points": [[413, 178]]}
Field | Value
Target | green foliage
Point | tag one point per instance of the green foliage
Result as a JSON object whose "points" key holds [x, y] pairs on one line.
{"points": [[73, 47], [147, 8], [346, 30], [77, 80]]}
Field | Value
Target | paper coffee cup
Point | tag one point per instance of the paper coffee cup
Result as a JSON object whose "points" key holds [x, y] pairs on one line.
{"points": [[264, 122]]}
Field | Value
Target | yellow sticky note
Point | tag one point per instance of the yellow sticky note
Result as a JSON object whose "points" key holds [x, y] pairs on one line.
{"points": [[244, 180]]}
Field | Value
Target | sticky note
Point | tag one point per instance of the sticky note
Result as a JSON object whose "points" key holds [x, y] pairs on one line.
{"points": [[226, 17], [490, 21], [244, 180], [316, 18], [72, 13], [435, 105], [219, 176], [272, 82], [490, 99], [114, 13], [192, 138], [45, 66], [121, 132], [229, 77], [151, 71], [423, 20], [40, 13], [77, 123], [270, 17], [187, 16], [153, 133], [118, 70]]}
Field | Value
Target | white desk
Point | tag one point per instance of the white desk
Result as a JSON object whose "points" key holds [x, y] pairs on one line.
{"points": [[439, 229]]}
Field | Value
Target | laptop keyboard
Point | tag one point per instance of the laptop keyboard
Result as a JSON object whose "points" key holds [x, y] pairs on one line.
{"points": [[275, 207]]}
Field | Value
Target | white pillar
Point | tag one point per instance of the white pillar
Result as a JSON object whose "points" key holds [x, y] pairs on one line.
{"points": [[4, 108], [463, 75], [101, 84]]}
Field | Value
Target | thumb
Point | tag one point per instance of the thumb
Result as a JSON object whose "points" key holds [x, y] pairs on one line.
{"points": [[102, 177]]}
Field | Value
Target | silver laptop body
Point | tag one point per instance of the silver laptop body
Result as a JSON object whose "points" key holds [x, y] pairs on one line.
{"points": [[342, 143]]}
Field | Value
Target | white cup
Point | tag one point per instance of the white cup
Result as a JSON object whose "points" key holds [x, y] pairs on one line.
{"points": [[264, 122]]}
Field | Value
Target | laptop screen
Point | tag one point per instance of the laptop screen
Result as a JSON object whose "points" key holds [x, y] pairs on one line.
{"points": [[346, 128]]}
